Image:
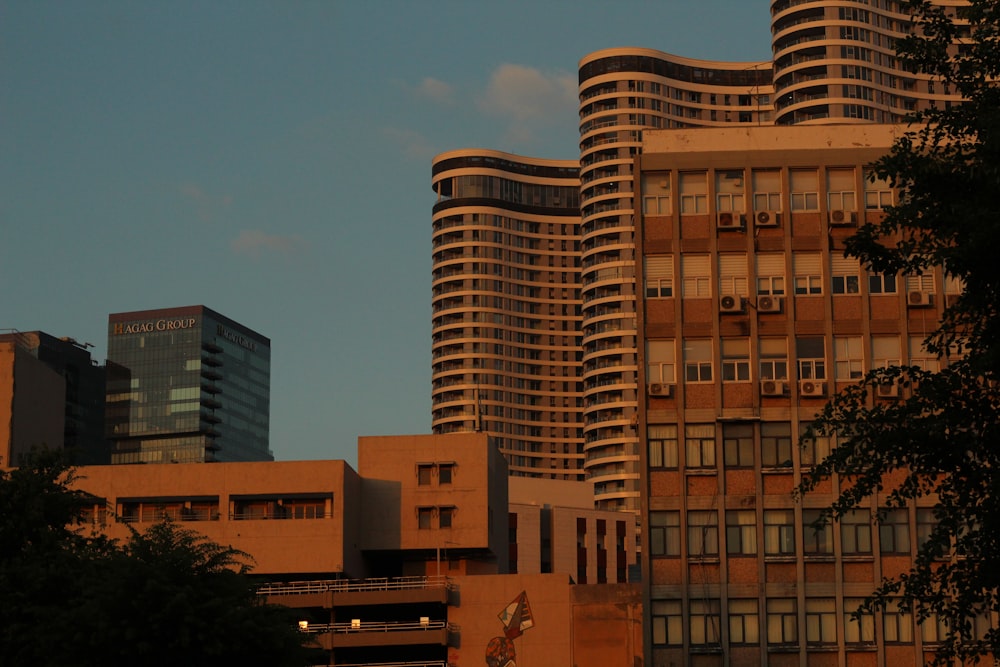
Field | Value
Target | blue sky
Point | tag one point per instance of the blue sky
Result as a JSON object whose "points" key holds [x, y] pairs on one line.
{"points": [[271, 160]]}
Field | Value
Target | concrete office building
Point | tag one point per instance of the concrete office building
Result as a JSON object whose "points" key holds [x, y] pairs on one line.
{"points": [[403, 562], [52, 393], [186, 384], [832, 63], [751, 319]]}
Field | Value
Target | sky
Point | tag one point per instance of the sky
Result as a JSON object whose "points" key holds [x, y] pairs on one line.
{"points": [[271, 160]]}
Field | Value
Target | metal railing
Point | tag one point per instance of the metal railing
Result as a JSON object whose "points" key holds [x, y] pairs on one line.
{"points": [[373, 626], [354, 585]]}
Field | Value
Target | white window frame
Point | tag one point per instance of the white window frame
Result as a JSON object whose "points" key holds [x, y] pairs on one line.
{"points": [[848, 358], [693, 187], [698, 362], [661, 361], [733, 277], [773, 361], [696, 276], [807, 274], [659, 276]]}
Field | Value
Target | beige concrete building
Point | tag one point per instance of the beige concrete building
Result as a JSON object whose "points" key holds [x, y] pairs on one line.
{"points": [[553, 527], [749, 322], [401, 563]]}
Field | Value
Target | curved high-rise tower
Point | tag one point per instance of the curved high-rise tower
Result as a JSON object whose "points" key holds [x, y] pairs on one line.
{"points": [[623, 92], [506, 307], [835, 62]]}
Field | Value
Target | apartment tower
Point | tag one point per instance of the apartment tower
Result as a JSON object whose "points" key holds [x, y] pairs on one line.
{"points": [[506, 327]]}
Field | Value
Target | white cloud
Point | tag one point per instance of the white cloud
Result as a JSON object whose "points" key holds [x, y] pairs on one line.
{"points": [[435, 90], [206, 205], [525, 94], [409, 142], [254, 243]]}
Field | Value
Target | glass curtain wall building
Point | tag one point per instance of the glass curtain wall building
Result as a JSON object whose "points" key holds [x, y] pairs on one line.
{"points": [[184, 385]]}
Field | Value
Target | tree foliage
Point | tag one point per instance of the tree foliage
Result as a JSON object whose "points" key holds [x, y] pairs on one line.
{"points": [[940, 443], [166, 597]]}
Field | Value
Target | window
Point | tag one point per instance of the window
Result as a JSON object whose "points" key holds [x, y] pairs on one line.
{"points": [[695, 276], [656, 193], [773, 359], [703, 533], [770, 274], [805, 189], [424, 515], [663, 450], [743, 622], [897, 625], [821, 621], [859, 628], [815, 449], [817, 539], [878, 194], [704, 619], [844, 275], [776, 444], [699, 445], [733, 278], [668, 622], [925, 525], [445, 471], [424, 472], [659, 276], [840, 187], [664, 533], [782, 621], [766, 190], [933, 630], [856, 532], [894, 531], [694, 192], [806, 267], [923, 282], [881, 283], [920, 356], [737, 445], [735, 359], [885, 351], [848, 357], [811, 354], [729, 190], [779, 532], [741, 532], [697, 361], [660, 355]]}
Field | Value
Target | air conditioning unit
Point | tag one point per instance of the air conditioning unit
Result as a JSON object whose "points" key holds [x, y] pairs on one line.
{"points": [[731, 304], [918, 298], [811, 388], [766, 219], [769, 304], [890, 390], [772, 388], [729, 220], [839, 217], [659, 389]]}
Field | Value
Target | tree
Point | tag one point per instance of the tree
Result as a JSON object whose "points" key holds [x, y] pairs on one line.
{"points": [[940, 443], [166, 597]]}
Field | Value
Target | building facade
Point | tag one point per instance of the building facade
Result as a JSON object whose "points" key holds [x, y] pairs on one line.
{"points": [[832, 63], [186, 384], [749, 322], [53, 396], [506, 307], [402, 563]]}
